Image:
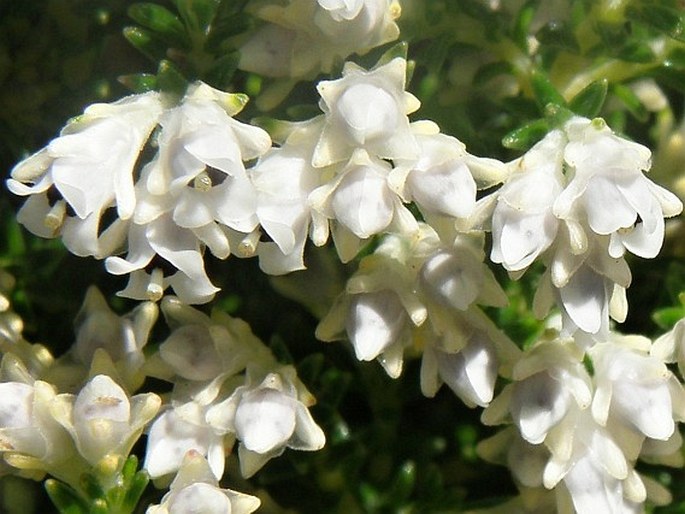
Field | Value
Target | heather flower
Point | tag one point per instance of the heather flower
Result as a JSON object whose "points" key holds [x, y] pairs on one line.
{"points": [[608, 188], [305, 37], [102, 420], [268, 417], [196, 489], [367, 109], [91, 166]]}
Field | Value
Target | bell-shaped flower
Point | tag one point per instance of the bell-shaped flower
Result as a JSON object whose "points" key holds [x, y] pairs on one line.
{"points": [[380, 303], [267, 418], [284, 179], [609, 189], [523, 224], [91, 165], [367, 109], [439, 181], [121, 338], [595, 472], [470, 373], [361, 202], [196, 489], [456, 277], [178, 430], [306, 37], [635, 389], [102, 420], [550, 385], [670, 347], [201, 157], [177, 246]]}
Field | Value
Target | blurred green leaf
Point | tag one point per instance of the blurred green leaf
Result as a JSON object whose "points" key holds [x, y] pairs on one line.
{"points": [[526, 136], [557, 34], [65, 498], [161, 21], [197, 15], [139, 82], [589, 101], [631, 101], [636, 51], [544, 91], [170, 79], [220, 74], [668, 316], [521, 28], [146, 42], [665, 19], [223, 28], [491, 70]]}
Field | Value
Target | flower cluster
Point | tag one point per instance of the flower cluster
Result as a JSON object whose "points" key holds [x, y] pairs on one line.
{"points": [[227, 387], [303, 38], [193, 194], [583, 431], [153, 182], [577, 201]]}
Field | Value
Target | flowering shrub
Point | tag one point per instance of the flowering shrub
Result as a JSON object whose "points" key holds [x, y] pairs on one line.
{"points": [[462, 191]]}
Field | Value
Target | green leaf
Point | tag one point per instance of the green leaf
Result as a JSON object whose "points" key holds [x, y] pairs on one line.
{"points": [[558, 35], [223, 28], [403, 484], [676, 58], [197, 14], [662, 18], [589, 101], [636, 51], [437, 52], [544, 91], [91, 486], [146, 42], [161, 21], [398, 50], [310, 368], [139, 82], [491, 70], [521, 29], [631, 101], [65, 498], [526, 136], [222, 70], [170, 79], [671, 75], [136, 487], [668, 316]]}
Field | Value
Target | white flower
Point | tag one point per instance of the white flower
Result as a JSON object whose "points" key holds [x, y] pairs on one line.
{"points": [[367, 109], [470, 373], [595, 471], [375, 321], [523, 225], [196, 490], [267, 418], [635, 388], [29, 435], [102, 420], [284, 178], [179, 430], [91, 165], [305, 37], [439, 181], [550, 386], [179, 247], [103, 337], [610, 190]]}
